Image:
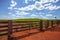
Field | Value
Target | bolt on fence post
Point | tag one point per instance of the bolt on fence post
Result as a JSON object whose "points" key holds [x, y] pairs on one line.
{"points": [[9, 29]]}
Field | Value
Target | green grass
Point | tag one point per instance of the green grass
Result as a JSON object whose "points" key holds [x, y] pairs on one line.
{"points": [[27, 20], [32, 21]]}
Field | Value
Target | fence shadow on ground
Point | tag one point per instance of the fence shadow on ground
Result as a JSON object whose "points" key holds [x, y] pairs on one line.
{"points": [[23, 36]]}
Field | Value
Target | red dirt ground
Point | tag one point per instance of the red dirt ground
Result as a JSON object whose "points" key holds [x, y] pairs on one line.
{"points": [[31, 35]]}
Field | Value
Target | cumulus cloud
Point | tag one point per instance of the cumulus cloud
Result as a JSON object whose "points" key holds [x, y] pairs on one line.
{"points": [[21, 13], [13, 4], [27, 1], [29, 7], [9, 13], [49, 15], [39, 5], [52, 7], [13, 15], [10, 8], [42, 1], [43, 17], [48, 4], [18, 14], [46, 1], [33, 15], [58, 7]]}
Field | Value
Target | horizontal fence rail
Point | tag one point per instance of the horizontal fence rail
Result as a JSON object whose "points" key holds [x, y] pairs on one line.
{"points": [[3, 28], [16, 27]]}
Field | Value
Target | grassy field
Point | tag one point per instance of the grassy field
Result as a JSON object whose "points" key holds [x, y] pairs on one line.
{"points": [[33, 21], [27, 20]]}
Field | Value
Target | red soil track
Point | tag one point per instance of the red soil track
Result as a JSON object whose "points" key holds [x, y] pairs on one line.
{"points": [[47, 35]]}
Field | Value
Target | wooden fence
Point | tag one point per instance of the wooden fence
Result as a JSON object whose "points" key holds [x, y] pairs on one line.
{"points": [[7, 28]]}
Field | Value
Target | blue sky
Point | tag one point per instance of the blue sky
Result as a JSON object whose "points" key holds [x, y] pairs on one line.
{"points": [[15, 9]]}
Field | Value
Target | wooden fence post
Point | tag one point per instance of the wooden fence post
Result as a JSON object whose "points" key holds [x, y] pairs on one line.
{"points": [[47, 24], [9, 29], [52, 23], [41, 25], [57, 22]]}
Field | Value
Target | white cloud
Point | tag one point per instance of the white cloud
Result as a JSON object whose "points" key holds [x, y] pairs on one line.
{"points": [[33, 15], [21, 13], [10, 8], [29, 7], [42, 1], [39, 5], [46, 1], [49, 15], [27, 1], [48, 4], [13, 4], [43, 17], [54, 1], [13, 15], [18, 14], [46, 18], [58, 7], [52, 7], [10, 13]]}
